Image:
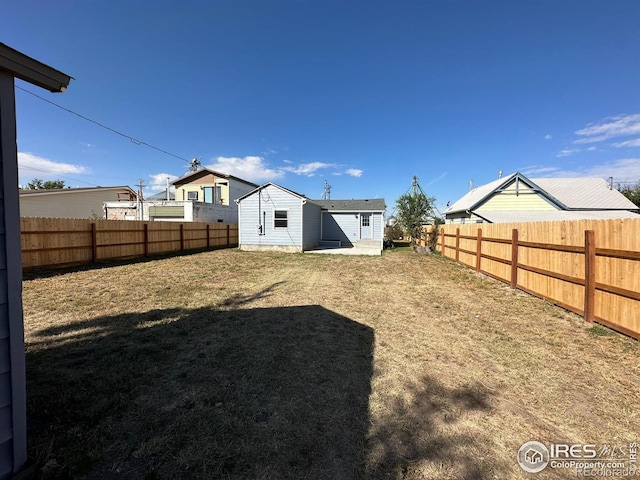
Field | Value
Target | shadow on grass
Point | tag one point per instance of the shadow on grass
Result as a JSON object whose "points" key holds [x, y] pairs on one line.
{"points": [[428, 431], [49, 271], [273, 393], [204, 393]]}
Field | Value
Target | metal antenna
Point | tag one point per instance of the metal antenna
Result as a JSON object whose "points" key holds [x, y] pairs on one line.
{"points": [[326, 195], [194, 165]]}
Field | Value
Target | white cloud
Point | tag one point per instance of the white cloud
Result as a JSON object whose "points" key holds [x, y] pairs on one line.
{"points": [[252, 168], [158, 181], [622, 169], [548, 137], [255, 169], [30, 164], [592, 149], [538, 170], [612, 127], [308, 169], [567, 151], [628, 143]]}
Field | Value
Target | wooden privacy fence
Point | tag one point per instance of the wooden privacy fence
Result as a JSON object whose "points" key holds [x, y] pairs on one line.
{"points": [[591, 267], [56, 242]]}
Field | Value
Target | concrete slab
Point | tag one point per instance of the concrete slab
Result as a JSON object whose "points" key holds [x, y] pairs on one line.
{"points": [[363, 247]]}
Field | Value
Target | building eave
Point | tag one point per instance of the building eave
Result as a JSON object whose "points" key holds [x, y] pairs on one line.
{"points": [[30, 70]]}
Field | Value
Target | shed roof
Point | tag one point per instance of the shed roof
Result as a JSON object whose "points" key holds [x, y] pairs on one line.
{"points": [[369, 204]]}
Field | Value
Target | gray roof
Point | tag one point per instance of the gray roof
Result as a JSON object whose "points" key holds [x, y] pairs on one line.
{"points": [[568, 193], [585, 193], [371, 205], [161, 196], [508, 216]]}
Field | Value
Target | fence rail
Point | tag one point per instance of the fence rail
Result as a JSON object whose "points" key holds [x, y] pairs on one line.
{"points": [[57, 242], [591, 267]]}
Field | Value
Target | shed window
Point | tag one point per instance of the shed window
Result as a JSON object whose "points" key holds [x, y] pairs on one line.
{"points": [[365, 220], [280, 218], [192, 195]]}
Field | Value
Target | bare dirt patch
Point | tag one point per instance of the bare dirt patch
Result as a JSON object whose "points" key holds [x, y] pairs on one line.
{"points": [[230, 364]]}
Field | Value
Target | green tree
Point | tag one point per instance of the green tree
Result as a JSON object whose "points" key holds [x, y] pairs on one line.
{"points": [[413, 210], [37, 184], [632, 193]]}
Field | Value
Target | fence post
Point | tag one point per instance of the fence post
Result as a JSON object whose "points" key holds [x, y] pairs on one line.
{"points": [[478, 250], [94, 243], [145, 228], [228, 236], [181, 236], [442, 240], [514, 258], [589, 275], [457, 244], [208, 236]]}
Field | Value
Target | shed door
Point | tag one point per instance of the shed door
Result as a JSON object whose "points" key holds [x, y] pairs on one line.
{"points": [[365, 225]]}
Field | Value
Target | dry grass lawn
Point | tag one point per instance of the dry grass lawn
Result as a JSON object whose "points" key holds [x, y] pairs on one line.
{"points": [[230, 364]]}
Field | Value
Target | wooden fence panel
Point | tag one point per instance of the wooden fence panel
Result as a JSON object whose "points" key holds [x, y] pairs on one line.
{"points": [[551, 263], [48, 242]]}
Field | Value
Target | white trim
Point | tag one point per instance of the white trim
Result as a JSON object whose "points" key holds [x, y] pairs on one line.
{"points": [[273, 216]]}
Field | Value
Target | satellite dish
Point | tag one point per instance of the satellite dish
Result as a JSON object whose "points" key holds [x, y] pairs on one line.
{"points": [[195, 165]]}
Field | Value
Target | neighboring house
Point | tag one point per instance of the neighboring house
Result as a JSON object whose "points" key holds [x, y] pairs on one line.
{"points": [[71, 202], [13, 403], [208, 186], [516, 198], [272, 217], [201, 196]]}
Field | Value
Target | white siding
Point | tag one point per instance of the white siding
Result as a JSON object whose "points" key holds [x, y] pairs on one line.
{"points": [[341, 226], [258, 209], [378, 226], [311, 230]]}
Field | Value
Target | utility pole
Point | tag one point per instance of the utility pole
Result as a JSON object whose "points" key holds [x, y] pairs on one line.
{"points": [[140, 199]]}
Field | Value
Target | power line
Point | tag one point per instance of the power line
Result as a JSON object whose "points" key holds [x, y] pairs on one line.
{"points": [[129, 137]]}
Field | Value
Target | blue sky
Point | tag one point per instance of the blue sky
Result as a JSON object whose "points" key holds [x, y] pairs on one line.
{"points": [[362, 94]]}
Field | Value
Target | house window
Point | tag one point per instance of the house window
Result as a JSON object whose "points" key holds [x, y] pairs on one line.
{"points": [[365, 220], [463, 220], [281, 218], [192, 195]]}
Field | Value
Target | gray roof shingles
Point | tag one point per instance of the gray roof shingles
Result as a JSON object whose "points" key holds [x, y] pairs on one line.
{"points": [[373, 205]]}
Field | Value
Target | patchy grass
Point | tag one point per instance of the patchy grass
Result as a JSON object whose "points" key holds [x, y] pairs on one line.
{"points": [[230, 364]]}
